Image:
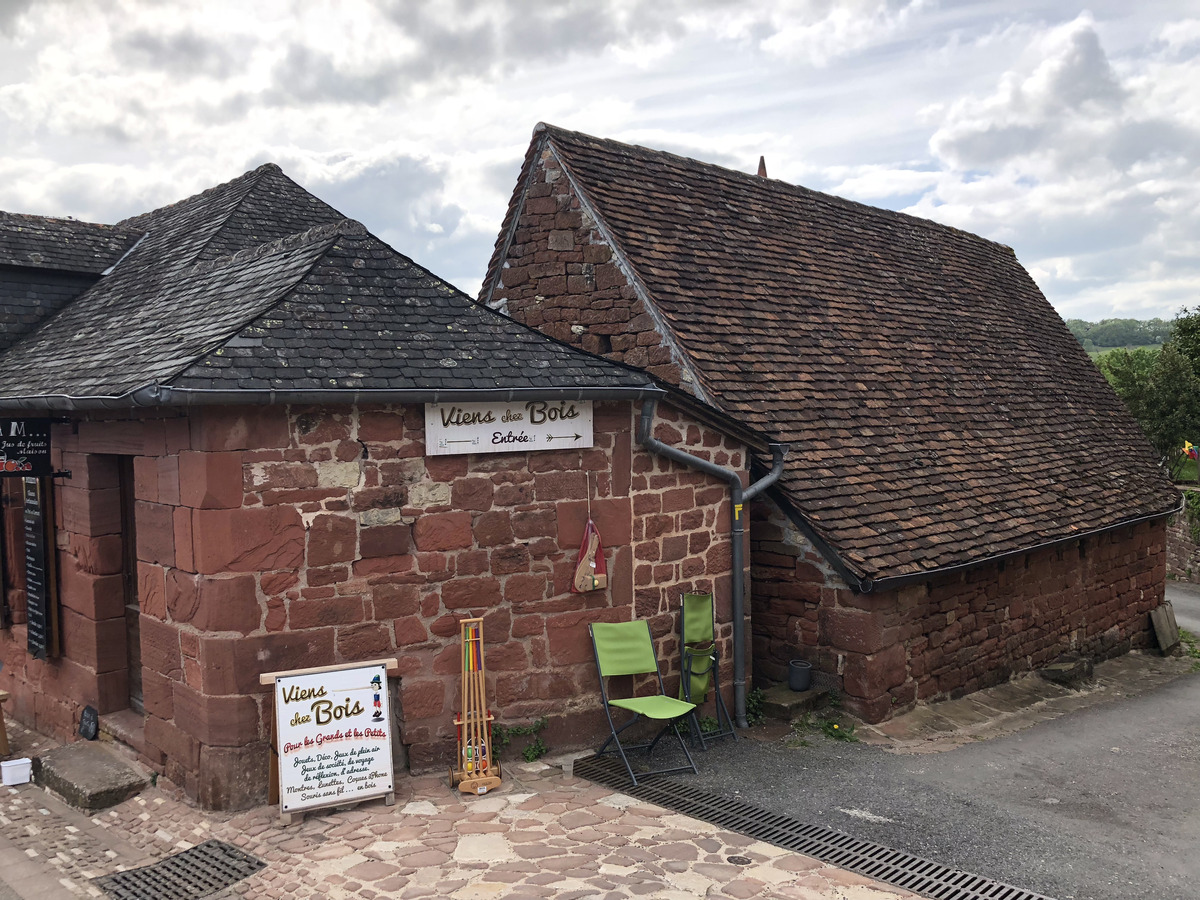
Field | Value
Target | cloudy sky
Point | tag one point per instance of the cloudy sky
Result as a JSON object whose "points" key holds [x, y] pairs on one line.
{"points": [[1070, 132]]}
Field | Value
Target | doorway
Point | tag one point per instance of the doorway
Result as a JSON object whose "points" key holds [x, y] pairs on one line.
{"points": [[129, 572]]}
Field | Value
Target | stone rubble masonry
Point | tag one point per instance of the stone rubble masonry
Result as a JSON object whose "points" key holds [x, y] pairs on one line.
{"points": [[273, 538], [561, 277], [954, 634], [1183, 550]]}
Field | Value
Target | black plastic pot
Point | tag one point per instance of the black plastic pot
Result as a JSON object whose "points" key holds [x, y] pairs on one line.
{"points": [[799, 675]]}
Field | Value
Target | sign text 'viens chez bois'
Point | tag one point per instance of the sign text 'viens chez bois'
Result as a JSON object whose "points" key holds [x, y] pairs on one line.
{"points": [[504, 427], [335, 737]]}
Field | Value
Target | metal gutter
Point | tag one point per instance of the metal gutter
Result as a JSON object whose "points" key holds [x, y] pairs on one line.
{"points": [[739, 497], [165, 395]]}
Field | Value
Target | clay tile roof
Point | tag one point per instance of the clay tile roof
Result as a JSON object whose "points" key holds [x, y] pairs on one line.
{"points": [[939, 411], [64, 245], [255, 285]]}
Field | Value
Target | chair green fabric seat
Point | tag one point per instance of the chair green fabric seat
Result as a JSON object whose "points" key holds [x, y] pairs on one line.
{"points": [[625, 648], [656, 707]]}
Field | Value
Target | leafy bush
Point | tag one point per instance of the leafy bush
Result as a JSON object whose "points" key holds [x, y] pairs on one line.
{"points": [[755, 707]]}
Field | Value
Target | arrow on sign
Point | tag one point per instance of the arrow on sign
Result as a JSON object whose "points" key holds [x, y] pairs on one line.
{"points": [[562, 437]]}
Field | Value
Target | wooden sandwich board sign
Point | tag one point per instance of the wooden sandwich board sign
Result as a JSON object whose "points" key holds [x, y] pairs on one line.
{"points": [[332, 736]]}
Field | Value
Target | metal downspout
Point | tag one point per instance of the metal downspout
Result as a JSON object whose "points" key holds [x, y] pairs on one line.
{"points": [[738, 498]]}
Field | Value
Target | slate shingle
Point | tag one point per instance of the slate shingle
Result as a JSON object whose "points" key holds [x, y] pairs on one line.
{"points": [[221, 294], [64, 245], [939, 410]]}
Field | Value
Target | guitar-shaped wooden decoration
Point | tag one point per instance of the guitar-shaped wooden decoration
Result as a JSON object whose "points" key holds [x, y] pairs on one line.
{"points": [[591, 571]]}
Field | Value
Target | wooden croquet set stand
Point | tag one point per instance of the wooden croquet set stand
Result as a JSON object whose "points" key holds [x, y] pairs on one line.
{"points": [[476, 769]]}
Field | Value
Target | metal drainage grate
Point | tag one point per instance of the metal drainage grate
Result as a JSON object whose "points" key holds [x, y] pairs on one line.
{"points": [[884, 864], [198, 872]]}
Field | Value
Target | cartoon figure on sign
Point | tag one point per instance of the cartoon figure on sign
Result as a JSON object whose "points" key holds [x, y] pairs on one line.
{"points": [[378, 686]]}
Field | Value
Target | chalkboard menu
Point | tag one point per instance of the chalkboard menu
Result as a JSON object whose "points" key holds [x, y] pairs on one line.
{"points": [[37, 595]]}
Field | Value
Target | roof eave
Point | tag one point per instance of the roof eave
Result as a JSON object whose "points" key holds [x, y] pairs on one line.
{"points": [[156, 395], [864, 583]]}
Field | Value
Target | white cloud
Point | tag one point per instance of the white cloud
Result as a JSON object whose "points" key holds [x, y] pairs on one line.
{"points": [[1074, 140]]}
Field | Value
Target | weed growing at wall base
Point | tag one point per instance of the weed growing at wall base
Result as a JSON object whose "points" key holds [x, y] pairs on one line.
{"points": [[1191, 647], [502, 736]]}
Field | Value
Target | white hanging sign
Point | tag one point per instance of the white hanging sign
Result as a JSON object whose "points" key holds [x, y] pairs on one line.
{"points": [[452, 428], [335, 736]]}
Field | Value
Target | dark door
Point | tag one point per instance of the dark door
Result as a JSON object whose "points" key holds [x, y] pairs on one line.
{"points": [[133, 611]]}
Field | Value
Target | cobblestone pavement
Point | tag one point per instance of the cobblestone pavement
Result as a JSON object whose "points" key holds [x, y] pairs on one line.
{"points": [[542, 834]]}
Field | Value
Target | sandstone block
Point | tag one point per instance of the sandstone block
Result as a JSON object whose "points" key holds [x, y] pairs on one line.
{"points": [[471, 593], [332, 539], [425, 494], [228, 721], [443, 531], [210, 480], [247, 540]]}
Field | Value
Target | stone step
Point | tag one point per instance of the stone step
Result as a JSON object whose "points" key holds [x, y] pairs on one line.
{"points": [[1068, 671], [781, 702], [124, 731], [88, 775]]}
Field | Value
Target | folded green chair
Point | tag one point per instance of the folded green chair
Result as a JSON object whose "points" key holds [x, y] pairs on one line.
{"points": [[625, 648], [700, 666]]}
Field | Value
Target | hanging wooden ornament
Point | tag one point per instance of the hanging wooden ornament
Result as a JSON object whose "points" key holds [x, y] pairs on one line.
{"points": [[591, 570]]}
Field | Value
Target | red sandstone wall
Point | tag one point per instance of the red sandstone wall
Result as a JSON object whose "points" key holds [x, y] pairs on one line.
{"points": [[955, 634], [272, 539], [560, 277]]}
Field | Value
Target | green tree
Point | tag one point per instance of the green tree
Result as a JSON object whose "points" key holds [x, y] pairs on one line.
{"points": [[1128, 371], [1185, 335], [1162, 391]]}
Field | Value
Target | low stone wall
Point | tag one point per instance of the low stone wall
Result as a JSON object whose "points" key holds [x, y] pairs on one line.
{"points": [[1183, 550], [955, 634]]}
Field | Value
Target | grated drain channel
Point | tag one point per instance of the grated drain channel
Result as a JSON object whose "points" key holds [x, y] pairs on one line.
{"points": [[894, 867], [199, 872]]}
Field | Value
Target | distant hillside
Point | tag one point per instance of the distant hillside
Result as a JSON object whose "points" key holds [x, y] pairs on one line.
{"points": [[1111, 333]]}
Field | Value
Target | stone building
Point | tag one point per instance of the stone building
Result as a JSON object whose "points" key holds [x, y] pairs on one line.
{"points": [[966, 497], [240, 385]]}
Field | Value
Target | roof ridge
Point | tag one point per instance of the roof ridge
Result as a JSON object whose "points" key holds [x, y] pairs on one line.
{"points": [[760, 182], [248, 177], [65, 220], [313, 235]]}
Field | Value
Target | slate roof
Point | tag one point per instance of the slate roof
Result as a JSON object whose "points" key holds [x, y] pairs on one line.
{"points": [[939, 411], [64, 245], [222, 296]]}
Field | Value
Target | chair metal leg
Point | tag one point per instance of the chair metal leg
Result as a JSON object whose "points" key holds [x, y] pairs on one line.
{"points": [[613, 739], [683, 746], [722, 709], [696, 731]]}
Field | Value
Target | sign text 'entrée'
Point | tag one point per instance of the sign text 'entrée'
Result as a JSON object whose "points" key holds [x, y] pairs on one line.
{"points": [[503, 427]]}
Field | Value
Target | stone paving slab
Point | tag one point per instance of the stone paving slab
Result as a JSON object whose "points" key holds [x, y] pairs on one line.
{"points": [[1018, 704], [542, 834]]}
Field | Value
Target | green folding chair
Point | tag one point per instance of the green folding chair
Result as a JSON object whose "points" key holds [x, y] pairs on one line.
{"points": [[700, 667], [625, 648]]}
